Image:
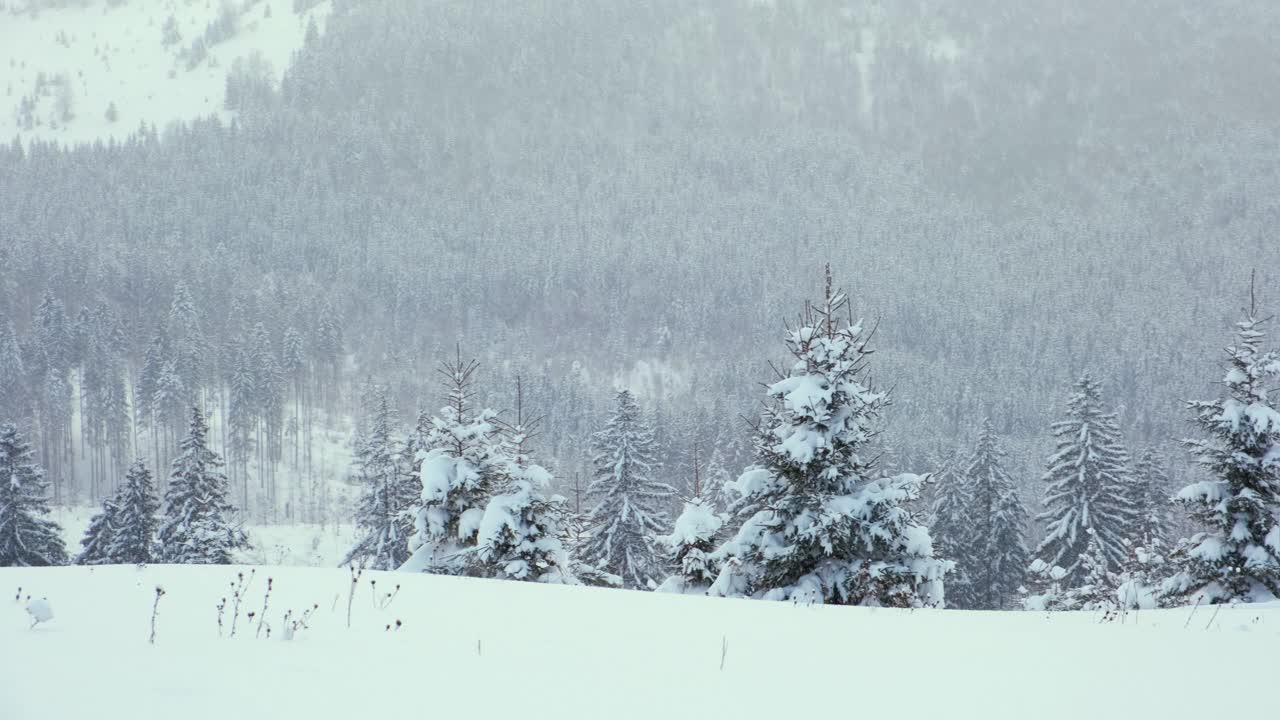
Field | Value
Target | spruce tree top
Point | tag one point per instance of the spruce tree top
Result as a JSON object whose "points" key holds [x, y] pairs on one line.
{"points": [[818, 526], [197, 526], [1238, 558], [1089, 485], [628, 516], [460, 468]]}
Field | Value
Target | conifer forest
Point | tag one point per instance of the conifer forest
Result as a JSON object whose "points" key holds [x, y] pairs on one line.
{"points": [[595, 350]]}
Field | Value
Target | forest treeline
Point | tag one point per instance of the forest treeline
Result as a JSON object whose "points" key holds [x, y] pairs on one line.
{"points": [[585, 195]]}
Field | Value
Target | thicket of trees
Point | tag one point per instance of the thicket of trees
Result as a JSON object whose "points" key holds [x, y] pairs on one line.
{"points": [[354, 226], [1015, 218]]}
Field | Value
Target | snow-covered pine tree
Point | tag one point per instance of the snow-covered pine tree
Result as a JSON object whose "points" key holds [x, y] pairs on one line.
{"points": [[387, 495], [715, 491], [1088, 486], [628, 514], [459, 470], [13, 391], [692, 541], [997, 549], [134, 518], [97, 537], [820, 526], [416, 443], [1152, 503], [519, 535], [196, 528], [1237, 557], [1097, 588], [950, 526], [27, 537]]}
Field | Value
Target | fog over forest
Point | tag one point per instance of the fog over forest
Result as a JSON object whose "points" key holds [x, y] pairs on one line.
{"points": [[600, 195]]}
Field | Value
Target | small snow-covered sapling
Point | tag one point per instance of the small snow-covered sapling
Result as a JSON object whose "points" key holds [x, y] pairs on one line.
{"points": [[222, 605], [155, 612]]}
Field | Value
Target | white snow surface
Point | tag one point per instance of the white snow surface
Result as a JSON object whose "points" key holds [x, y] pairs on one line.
{"points": [[573, 652], [111, 51], [40, 610]]}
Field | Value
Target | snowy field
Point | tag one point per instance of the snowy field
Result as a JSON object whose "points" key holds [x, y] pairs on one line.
{"points": [[489, 649], [61, 68]]}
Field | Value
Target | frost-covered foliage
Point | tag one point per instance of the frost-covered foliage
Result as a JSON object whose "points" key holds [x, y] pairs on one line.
{"points": [[196, 527], [97, 537], [388, 491], [27, 537], [1095, 590], [461, 466], [717, 493], [998, 556], [691, 544], [1151, 499], [519, 535], [124, 531], [1088, 486], [817, 525], [134, 518], [950, 526], [1141, 578], [1237, 557], [628, 515]]}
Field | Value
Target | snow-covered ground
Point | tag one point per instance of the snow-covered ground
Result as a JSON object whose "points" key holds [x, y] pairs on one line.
{"points": [[488, 649], [62, 68]]}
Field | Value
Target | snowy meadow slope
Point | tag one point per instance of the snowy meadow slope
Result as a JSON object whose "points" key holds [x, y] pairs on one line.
{"points": [[494, 649], [62, 66]]}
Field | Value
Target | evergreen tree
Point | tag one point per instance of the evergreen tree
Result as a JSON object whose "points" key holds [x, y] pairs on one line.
{"points": [[997, 549], [1088, 486], [691, 543], [13, 374], [459, 470], [1237, 557], [1151, 499], [97, 538], [329, 344], [628, 516], [53, 330], [242, 421], [134, 518], [950, 527], [153, 362], [384, 512], [416, 443], [27, 537], [819, 526], [196, 528], [519, 535], [189, 346], [1096, 589]]}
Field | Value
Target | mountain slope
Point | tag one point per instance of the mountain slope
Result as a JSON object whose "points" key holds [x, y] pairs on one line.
{"points": [[63, 68]]}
